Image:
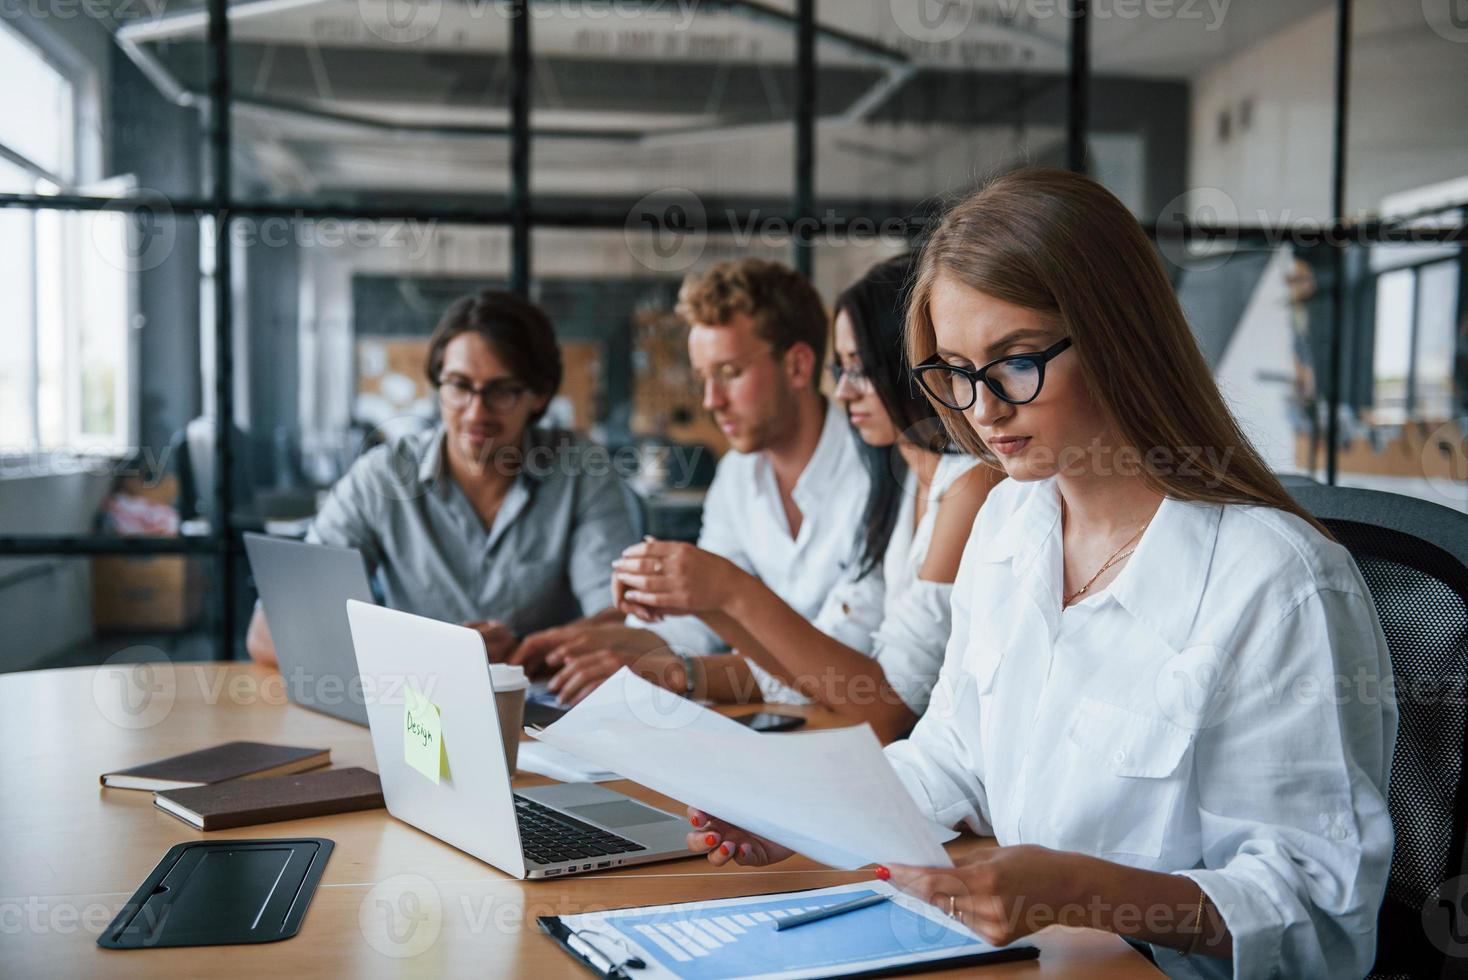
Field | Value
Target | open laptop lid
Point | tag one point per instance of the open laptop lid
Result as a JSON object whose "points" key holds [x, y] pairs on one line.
{"points": [[304, 588], [471, 806]]}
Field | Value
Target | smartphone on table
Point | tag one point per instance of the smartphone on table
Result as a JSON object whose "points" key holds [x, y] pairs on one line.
{"points": [[770, 721]]}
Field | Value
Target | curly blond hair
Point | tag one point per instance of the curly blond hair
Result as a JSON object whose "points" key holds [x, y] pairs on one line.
{"points": [[783, 304]]}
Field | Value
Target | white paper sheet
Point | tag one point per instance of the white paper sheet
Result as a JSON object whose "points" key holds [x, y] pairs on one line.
{"points": [[829, 794], [547, 760]]}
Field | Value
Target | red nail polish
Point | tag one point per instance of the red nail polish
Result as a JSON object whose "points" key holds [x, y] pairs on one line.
{"points": [[724, 849], [710, 840], [882, 873], [694, 821]]}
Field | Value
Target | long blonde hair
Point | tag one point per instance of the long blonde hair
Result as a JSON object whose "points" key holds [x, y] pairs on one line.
{"points": [[1061, 244]]}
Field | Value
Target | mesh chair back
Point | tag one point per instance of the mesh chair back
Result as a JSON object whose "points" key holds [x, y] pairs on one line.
{"points": [[1413, 556]]}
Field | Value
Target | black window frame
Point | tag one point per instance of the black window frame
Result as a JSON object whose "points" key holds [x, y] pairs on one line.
{"points": [[521, 216]]}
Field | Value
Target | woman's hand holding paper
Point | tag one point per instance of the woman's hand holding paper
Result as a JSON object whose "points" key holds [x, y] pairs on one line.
{"points": [[1005, 893], [724, 842]]}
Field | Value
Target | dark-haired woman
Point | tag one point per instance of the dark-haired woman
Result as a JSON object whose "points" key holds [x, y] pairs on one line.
{"points": [[920, 508], [485, 519]]}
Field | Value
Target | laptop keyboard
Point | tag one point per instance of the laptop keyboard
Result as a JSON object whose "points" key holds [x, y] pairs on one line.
{"points": [[549, 837]]}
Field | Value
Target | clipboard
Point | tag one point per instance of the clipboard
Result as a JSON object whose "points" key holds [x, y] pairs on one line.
{"points": [[606, 954], [563, 935]]}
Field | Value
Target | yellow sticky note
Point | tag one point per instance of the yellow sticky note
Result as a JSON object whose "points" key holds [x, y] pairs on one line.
{"points": [[422, 735]]}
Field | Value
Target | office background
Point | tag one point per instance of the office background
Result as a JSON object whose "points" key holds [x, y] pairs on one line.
{"points": [[227, 230]]}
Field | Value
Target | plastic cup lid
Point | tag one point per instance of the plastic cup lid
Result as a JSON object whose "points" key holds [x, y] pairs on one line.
{"points": [[508, 677]]}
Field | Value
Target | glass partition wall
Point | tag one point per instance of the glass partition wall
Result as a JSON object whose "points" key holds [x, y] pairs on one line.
{"points": [[230, 226]]}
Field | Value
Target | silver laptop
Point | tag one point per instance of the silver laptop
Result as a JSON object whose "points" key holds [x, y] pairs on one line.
{"points": [[540, 832], [300, 585], [304, 589]]}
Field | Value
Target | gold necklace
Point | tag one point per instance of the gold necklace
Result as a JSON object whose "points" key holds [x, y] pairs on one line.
{"points": [[1116, 556]]}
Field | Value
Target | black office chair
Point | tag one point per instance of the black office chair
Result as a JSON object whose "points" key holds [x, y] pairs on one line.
{"points": [[1413, 555], [1292, 480]]}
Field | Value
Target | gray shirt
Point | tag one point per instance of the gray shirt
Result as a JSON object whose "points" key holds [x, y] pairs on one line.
{"points": [[547, 559]]}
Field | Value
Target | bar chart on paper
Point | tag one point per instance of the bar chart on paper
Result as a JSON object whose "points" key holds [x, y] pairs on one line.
{"points": [[737, 940]]}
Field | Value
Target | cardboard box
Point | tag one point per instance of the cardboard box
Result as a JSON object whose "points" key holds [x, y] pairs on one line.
{"points": [[153, 592]]}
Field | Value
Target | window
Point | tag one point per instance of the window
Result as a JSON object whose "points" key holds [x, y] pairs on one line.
{"points": [[1396, 300], [17, 353], [36, 130], [65, 361], [373, 153], [1416, 335]]}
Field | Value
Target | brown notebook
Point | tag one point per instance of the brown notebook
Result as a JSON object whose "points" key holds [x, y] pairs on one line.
{"points": [[232, 760], [239, 803]]}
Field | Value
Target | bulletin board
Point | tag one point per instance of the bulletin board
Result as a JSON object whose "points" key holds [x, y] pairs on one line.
{"points": [[391, 379]]}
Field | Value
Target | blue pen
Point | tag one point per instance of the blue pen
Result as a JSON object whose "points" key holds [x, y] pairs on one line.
{"points": [[840, 908]]}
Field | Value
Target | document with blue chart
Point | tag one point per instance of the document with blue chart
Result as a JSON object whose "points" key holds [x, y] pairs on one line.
{"points": [[736, 939]]}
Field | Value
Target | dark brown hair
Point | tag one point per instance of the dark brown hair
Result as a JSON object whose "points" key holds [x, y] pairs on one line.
{"points": [[875, 305], [785, 307], [1062, 245], [519, 331]]}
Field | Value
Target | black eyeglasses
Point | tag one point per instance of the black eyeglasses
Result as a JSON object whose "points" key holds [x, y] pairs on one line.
{"points": [[499, 395], [856, 377], [1015, 379]]}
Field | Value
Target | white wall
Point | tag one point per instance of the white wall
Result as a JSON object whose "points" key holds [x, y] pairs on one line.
{"points": [[1255, 371], [1409, 100], [1407, 125], [1278, 168]]}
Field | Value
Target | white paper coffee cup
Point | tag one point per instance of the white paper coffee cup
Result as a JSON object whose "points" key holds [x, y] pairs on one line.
{"points": [[510, 684]]}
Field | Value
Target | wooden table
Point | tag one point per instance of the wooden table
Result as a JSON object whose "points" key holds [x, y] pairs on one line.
{"points": [[394, 901]]}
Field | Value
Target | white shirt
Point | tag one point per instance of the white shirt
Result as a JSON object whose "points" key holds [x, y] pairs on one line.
{"points": [[916, 613], [907, 616], [1216, 712], [744, 521]]}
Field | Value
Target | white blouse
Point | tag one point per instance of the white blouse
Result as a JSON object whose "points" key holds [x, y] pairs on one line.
{"points": [[906, 617], [745, 522], [1217, 711]]}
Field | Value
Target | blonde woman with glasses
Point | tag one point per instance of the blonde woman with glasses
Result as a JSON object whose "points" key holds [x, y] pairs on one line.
{"points": [[1158, 692]]}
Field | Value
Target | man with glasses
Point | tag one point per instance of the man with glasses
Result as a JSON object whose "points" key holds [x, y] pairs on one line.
{"points": [[485, 519], [786, 503]]}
